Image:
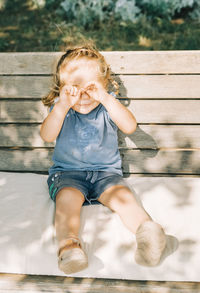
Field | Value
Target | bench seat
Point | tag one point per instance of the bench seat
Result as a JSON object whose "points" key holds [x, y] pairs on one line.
{"points": [[161, 162], [27, 235]]}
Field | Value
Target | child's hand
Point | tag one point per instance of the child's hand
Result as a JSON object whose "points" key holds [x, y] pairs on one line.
{"points": [[95, 90], [69, 95]]}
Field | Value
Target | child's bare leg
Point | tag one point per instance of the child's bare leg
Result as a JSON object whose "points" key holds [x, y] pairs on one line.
{"points": [[67, 217], [122, 201], [150, 236], [72, 258]]}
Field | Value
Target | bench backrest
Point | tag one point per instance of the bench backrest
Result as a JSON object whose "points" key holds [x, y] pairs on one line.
{"points": [[162, 90]]}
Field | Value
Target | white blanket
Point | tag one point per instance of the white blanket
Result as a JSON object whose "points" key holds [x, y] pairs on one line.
{"points": [[27, 235]]}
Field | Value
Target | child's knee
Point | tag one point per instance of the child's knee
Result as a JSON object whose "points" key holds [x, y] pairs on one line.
{"points": [[69, 195]]}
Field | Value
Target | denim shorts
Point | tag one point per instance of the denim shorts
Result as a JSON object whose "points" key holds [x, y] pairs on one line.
{"points": [[91, 183]]}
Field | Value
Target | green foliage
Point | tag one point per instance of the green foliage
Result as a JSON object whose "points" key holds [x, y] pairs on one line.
{"points": [[27, 27], [90, 12], [169, 8], [87, 12], [126, 10], [2, 4]]}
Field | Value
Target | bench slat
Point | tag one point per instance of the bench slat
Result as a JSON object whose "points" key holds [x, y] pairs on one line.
{"points": [[155, 62], [57, 284], [140, 87], [146, 111], [134, 161], [146, 136]]}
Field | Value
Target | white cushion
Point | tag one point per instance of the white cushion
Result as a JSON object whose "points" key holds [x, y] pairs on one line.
{"points": [[27, 235]]}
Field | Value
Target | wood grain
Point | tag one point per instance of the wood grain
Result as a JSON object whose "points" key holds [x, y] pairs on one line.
{"points": [[134, 161], [38, 284], [131, 86], [145, 111], [121, 62], [163, 90], [145, 136]]}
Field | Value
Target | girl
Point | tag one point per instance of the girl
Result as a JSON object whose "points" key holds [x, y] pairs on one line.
{"points": [[84, 119]]}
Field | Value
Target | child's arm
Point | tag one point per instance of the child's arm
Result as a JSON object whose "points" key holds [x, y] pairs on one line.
{"points": [[52, 125], [120, 115]]}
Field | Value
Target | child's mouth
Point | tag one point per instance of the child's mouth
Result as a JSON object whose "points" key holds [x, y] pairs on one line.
{"points": [[85, 103]]}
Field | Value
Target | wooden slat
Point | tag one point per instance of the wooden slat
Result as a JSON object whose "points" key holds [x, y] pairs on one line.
{"points": [[134, 161], [162, 136], [24, 111], [161, 161], [146, 111], [144, 62], [21, 136], [24, 86], [160, 86], [38, 284], [146, 136], [140, 87]]}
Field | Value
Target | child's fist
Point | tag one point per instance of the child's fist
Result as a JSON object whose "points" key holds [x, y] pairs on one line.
{"points": [[69, 95], [95, 90]]}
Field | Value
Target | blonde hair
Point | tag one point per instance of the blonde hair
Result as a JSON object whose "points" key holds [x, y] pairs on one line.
{"points": [[88, 51]]}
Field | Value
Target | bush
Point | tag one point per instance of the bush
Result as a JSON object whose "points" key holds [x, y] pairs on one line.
{"points": [[90, 12], [87, 12], [169, 8]]}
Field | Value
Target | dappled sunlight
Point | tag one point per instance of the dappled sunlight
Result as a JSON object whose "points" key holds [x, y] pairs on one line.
{"points": [[144, 42], [8, 91], [103, 235], [156, 147], [161, 149], [25, 86]]}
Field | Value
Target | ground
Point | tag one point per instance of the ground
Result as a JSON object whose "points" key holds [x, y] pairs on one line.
{"points": [[25, 28]]}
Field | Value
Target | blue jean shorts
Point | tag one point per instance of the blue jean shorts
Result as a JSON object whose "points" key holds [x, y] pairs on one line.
{"points": [[91, 183]]}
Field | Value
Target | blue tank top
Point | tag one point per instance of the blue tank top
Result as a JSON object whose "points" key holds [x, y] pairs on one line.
{"points": [[87, 142]]}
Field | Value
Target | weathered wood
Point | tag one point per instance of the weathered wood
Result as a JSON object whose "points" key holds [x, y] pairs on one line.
{"points": [[31, 283], [134, 161], [122, 62], [155, 98], [146, 136], [24, 111], [161, 161], [146, 111], [153, 149], [132, 86]]}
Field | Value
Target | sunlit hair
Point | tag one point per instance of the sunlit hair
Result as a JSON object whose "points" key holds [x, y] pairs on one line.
{"points": [[89, 52]]}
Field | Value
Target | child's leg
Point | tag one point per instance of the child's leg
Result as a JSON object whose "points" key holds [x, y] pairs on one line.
{"points": [[150, 236], [121, 200], [72, 258], [67, 217]]}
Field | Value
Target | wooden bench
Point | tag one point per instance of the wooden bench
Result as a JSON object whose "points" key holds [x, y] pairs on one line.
{"points": [[163, 91]]}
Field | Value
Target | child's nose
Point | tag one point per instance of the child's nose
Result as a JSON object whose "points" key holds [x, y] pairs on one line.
{"points": [[84, 95]]}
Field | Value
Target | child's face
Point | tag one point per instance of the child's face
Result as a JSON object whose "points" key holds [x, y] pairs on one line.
{"points": [[78, 73]]}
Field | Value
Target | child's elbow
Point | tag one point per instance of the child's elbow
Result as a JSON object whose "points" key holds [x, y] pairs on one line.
{"points": [[45, 137], [131, 129]]}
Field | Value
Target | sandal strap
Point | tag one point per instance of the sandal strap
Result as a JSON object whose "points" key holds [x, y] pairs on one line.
{"points": [[69, 241]]}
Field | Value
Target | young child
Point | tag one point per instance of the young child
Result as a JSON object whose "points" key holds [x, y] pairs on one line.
{"points": [[83, 119]]}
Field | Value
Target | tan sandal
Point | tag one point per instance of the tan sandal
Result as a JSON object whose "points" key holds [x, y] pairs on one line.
{"points": [[71, 257]]}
